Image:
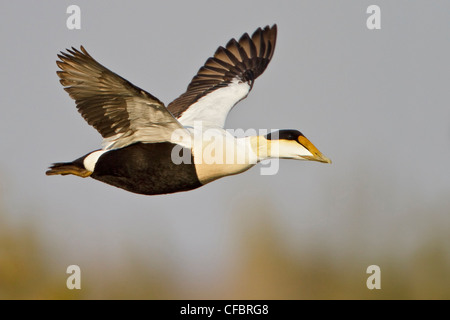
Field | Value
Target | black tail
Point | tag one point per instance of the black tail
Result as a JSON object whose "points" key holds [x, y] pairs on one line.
{"points": [[64, 168]]}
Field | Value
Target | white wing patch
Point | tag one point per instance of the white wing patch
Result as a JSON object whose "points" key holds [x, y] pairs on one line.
{"points": [[212, 109]]}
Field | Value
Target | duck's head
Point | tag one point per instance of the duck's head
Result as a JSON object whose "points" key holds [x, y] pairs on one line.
{"points": [[290, 144]]}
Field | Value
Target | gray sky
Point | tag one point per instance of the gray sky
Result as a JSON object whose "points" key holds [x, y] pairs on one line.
{"points": [[375, 101]]}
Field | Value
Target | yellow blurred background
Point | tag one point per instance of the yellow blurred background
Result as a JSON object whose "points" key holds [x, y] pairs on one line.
{"points": [[264, 268]]}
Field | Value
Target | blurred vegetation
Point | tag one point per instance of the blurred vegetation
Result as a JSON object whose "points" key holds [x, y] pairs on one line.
{"points": [[265, 270], [272, 272]]}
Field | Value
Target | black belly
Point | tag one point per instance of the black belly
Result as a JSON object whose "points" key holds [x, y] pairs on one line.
{"points": [[146, 169]]}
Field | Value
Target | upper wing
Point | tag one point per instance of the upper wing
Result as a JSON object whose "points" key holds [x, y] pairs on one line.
{"points": [[120, 111], [225, 79]]}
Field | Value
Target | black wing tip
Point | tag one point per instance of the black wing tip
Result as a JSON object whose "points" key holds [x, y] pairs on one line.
{"points": [[73, 52], [266, 30], [272, 28], [72, 56]]}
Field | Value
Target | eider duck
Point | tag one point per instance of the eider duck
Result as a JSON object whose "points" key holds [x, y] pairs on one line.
{"points": [[150, 149]]}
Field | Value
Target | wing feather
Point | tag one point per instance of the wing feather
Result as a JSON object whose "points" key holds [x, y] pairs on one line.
{"points": [[225, 79], [120, 111]]}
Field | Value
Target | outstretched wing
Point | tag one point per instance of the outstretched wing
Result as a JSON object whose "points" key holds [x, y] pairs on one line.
{"points": [[121, 112], [225, 79]]}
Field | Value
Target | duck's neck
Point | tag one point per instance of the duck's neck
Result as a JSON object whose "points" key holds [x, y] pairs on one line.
{"points": [[260, 147], [225, 155]]}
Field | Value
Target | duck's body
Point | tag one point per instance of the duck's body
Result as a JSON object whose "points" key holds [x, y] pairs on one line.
{"points": [[164, 167], [149, 149], [146, 168]]}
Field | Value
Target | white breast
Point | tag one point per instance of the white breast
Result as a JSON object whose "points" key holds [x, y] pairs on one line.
{"points": [[217, 153]]}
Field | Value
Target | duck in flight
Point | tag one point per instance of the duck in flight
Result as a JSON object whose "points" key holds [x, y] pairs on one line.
{"points": [[150, 149]]}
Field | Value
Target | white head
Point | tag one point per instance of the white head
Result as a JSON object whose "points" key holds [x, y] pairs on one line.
{"points": [[287, 144]]}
